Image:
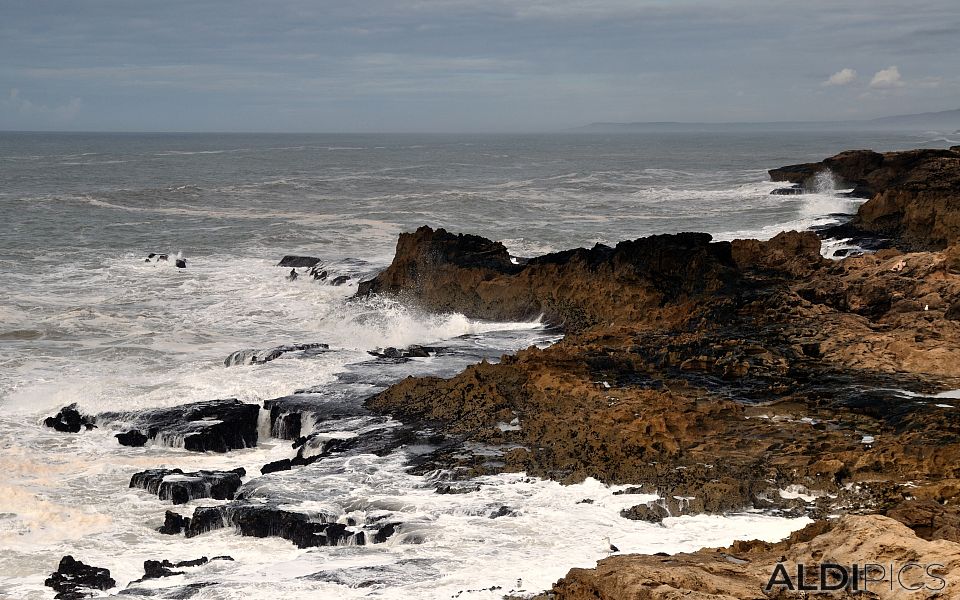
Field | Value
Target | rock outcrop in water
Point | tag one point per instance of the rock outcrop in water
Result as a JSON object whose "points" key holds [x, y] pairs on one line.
{"points": [[69, 420], [914, 196], [303, 529], [211, 426], [74, 580], [258, 357], [292, 260], [729, 375], [179, 487]]}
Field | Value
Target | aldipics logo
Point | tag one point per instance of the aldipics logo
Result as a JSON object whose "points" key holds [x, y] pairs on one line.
{"points": [[831, 577]]}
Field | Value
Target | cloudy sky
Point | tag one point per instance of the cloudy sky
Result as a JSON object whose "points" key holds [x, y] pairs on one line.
{"points": [[458, 65]]}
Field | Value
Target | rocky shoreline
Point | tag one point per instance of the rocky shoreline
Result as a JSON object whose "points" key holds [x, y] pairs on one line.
{"points": [[721, 376], [731, 375]]}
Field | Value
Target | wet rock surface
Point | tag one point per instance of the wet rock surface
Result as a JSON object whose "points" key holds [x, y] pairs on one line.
{"points": [[179, 487], [74, 580], [294, 261], [69, 420], [413, 351], [211, 426], [259, 357], [174, 523], [305, 530]]}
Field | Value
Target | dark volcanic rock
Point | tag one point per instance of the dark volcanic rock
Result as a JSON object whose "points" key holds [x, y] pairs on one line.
{"points": [[134, 437], [73, 579], [180, 487], [284, 464], [174, 523], [294, 261], [259, 357], [214, 425], [413, 351], [69, 420], [340, 280], [263, 520]]}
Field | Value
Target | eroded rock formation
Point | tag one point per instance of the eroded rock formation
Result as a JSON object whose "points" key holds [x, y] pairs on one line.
{"points": [[914, 196]]}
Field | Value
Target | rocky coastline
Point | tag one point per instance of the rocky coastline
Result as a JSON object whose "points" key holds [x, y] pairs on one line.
{"points": [[732, 375], [722, 376]]}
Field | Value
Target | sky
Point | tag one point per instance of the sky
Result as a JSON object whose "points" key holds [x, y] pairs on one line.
{"points": [[472, 66]]}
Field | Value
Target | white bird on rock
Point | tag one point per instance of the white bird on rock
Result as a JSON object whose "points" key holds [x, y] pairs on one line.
{"points": [[610, 544]]}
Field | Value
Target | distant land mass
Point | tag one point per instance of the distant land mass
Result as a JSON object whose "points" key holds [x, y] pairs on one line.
{"points": [[947, 121]]}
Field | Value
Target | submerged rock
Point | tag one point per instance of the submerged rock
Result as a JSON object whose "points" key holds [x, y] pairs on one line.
{"points": [[69, 420], [259, 357], [340, 280], [211, 426], [73, 579], [180, 487]]}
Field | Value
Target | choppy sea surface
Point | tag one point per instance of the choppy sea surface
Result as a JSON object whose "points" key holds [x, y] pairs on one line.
{"points": [[84, 319]]}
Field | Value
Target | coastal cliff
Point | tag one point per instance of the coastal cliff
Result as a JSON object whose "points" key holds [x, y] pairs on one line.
{"points": [[721, 372]]}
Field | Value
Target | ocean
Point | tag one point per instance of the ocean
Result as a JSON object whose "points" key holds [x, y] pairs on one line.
{"points": [[85, 319]]}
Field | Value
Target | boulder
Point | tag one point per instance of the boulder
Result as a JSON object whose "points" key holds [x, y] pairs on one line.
{"points": [[134, 437], [294, 261], [69, 420], [73, 579], [174, 523]]}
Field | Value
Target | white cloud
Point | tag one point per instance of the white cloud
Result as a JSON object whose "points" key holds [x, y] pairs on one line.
{"points": [[842, 77], [886, 79], [16, 102]]}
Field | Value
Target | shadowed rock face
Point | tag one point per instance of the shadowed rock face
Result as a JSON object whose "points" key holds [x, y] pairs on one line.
{"points": [[914, 196]]}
